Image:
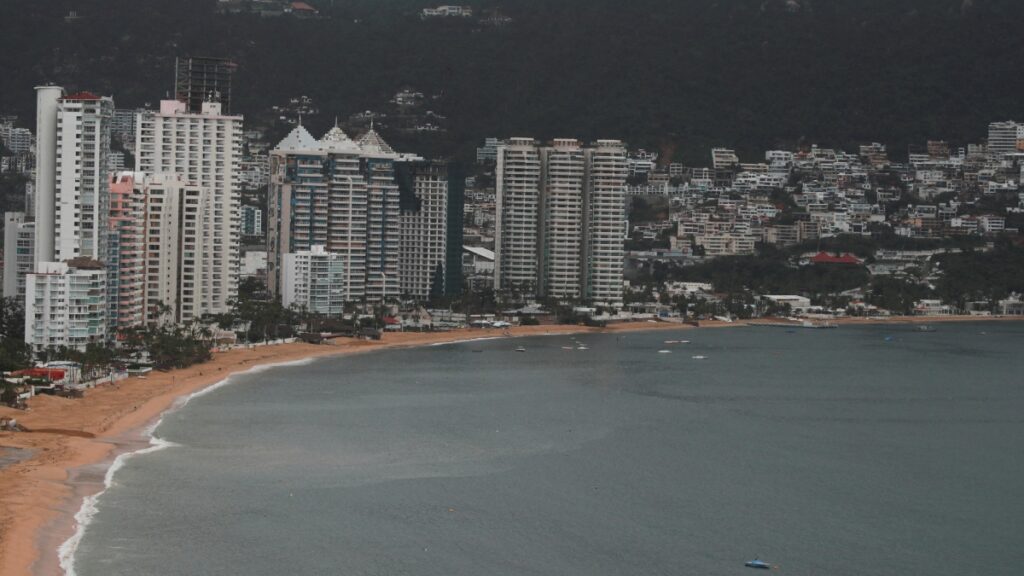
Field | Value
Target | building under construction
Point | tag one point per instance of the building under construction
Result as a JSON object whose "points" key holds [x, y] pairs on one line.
{"points": [[198, 80]]}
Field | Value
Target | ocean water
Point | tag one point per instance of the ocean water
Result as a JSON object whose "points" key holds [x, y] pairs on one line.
{"points": [[863, 450]]}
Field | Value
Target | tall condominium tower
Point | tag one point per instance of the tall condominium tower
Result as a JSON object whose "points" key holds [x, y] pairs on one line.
{"points": [[125, 270], [517, 210], [561, 219], [605, 221], [205, 148], [201, 80], [563, 170], [71, 190], [340, 194], [423, 245], [177, 236]]}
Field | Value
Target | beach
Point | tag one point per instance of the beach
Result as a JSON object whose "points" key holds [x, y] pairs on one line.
{"points": [[70, 444]]}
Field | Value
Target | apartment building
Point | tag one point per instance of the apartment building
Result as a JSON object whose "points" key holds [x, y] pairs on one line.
{"points": [[252, 221], [72, 195], [605, 222], [423, 229], [341, 194], [19, 253], [125, 279], [1002, 138], [176, 248], [205, 148], [561, 219], [66, 305], [314, 280], [517, 212]]}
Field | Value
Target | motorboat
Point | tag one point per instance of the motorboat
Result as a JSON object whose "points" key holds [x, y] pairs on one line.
{"points": [[759, 564], [520, 349]]}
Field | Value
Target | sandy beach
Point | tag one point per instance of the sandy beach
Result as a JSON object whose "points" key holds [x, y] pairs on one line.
{"points": [[49, 469]]}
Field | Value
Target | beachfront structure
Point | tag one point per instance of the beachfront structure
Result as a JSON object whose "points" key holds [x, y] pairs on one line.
{"points": [[205, 148], [66, 305], [561, 219], [125, 272], [605, 222], [314, 280], [19, 253], [341, 194], [423, 244], [71, 191], [177, 232], [517, 209]]}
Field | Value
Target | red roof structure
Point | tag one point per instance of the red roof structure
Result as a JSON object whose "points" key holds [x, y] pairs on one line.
{"points": [[302, 7], [390, 320], [48, 373], [826, 258], [81, 96]]}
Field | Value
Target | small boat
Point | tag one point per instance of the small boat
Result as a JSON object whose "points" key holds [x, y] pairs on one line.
{"points": [[671, 341], [567, 348], [699, 357], [582, 348], [664, 351], [520, 349], [926, 328], [759, 564]]}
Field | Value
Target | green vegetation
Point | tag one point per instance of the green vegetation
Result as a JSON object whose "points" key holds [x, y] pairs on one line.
{"points": [[743, 73], [981, 276]]}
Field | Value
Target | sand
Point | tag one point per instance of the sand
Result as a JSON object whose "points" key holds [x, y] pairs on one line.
{"points": [[73, 442]]}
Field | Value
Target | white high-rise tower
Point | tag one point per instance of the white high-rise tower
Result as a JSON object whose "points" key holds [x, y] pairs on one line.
{"points": [[205, 148]]}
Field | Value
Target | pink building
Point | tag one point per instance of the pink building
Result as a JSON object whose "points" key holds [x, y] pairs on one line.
{"points": [[126, 250]]}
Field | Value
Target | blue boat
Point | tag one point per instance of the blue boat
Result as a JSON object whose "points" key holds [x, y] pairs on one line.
{"points": [[759, 564]]}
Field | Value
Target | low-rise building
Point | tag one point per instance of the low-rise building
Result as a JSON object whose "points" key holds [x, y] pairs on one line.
{"points": [[66, 305]]}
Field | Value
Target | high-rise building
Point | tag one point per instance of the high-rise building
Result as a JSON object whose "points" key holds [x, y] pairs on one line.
{"points": [[205, 148], [201, 80], [126, 251], [318, 197], [315, 280], [175, 236], [517, 209], [82, 180], [561, 227], [66, 304], [423, 243], [47, 98], [19, 253], [605, 222], [561, 219], [340, 194]]}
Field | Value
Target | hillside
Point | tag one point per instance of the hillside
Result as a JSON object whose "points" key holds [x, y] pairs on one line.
{"points": [[676, 75]]}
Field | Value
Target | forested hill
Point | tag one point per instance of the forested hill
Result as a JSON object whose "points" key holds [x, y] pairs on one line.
{"points": [[675, 75]]}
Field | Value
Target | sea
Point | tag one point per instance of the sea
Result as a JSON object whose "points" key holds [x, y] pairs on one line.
{"points": [[878, 450]]}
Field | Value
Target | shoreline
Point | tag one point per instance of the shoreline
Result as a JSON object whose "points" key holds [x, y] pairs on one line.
{"points": [[77, 445]]}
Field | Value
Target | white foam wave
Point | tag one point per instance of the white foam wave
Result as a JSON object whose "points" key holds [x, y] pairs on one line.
{"points": [[85, 514], [464, 340]]}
